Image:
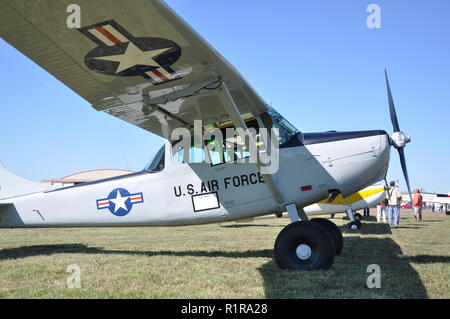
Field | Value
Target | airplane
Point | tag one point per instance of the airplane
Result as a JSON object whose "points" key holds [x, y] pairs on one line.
{"points": [[366, 198], [143, 64]]}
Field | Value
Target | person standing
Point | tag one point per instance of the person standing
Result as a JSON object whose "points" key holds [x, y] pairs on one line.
{"points": [[394, 198], [366, 212], [417, 205], [381, 211]]}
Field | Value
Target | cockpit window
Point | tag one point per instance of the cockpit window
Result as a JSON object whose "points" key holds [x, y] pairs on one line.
{"points": [[273, 119], [157, 163]]}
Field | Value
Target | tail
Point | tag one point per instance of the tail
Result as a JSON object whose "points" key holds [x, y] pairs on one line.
{"points": [[12, 185]]}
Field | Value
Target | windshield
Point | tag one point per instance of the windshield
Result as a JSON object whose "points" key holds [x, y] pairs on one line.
{"points": [[157, 163], [274, 119]]}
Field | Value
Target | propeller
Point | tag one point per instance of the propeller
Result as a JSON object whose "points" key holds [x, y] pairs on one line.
{"points": [[398, 138]]}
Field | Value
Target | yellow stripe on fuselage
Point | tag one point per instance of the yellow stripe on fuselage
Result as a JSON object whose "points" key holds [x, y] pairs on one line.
{"points": [[353, 198]]}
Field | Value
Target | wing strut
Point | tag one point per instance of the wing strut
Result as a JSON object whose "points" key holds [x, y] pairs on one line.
{"points": [[238, 121]]}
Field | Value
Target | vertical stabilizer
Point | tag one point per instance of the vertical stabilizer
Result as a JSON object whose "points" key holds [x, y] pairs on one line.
{"points": [[12, 185]]}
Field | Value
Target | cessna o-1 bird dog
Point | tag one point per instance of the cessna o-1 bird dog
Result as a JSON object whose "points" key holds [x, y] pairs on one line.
{"points": [[142, 63]]}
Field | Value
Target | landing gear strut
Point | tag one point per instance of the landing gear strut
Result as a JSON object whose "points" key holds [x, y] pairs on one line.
{"points": [[307, 245], [355, 224]]}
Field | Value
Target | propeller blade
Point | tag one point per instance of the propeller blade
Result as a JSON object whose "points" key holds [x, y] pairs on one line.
{"points": [[401, 153], [394, 119]]}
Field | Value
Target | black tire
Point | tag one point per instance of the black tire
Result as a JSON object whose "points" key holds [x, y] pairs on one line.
{"points": [[334, 232], [358, 216], [356, 225], [307, 234]]}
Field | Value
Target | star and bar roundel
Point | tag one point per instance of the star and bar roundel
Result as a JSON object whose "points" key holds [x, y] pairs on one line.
{"points": [[121, 54], [120, 202]]}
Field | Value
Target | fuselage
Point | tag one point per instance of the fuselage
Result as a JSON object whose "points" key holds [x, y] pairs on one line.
{"points": [[310, 165]]}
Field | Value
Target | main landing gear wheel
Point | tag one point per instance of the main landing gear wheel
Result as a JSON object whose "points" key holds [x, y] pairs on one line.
{"points": [[358, 216], [304, 245], [333, 231], [356, 225]]}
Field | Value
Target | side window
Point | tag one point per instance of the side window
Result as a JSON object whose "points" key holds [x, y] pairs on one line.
{"points": [[234, 148], [177, 156], [224, 146], [215, 151], [182, 154]]}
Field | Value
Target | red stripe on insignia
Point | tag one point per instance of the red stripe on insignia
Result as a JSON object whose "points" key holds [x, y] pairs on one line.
{"points": [[101, 204], [134, 198], [108, 35], [162, 76], [306, 188]]}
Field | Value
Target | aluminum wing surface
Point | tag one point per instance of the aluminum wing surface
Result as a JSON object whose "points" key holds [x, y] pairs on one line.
{"points": [[136, 60]]}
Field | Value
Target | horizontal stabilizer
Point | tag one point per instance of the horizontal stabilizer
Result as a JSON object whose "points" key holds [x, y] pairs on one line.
{"points": [[12, 185]]}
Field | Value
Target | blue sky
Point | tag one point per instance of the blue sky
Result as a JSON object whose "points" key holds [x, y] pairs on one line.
{"points": [[316, 62]]}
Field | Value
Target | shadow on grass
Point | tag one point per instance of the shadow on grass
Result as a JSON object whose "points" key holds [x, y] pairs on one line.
{"points": [[375, 229], [409, 227], [363, 218], [371, 228], [369, 219], [248, 225], [347, 278], [427, 259], [47, 250]]}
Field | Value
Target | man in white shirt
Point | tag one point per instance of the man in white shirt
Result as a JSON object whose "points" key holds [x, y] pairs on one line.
{"points": [[394, 198]]}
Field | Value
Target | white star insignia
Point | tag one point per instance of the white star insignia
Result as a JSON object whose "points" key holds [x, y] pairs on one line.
{"points": [[119, 202], [134, 56]]}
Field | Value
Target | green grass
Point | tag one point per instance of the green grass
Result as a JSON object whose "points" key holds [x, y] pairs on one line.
{"points": [[222, 261]]}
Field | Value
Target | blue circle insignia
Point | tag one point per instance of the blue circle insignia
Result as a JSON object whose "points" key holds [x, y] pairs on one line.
{"points": [[119, 202]]}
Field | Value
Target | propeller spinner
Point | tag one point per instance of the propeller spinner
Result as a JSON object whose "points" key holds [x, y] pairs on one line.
{"points": [[398, 138]]}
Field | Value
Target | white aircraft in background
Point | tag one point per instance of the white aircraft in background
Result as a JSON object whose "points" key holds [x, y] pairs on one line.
{"points": [[365, 198], [139, 61]]}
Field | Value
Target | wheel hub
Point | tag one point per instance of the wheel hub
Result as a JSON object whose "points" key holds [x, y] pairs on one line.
{"points": [[303, 252]]}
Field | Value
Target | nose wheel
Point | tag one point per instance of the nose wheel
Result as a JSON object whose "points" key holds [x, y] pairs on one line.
{"points": [[355, 220], [355, 225]]}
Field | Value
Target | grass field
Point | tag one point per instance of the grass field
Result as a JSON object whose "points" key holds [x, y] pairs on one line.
{"points": [[222, 261]]}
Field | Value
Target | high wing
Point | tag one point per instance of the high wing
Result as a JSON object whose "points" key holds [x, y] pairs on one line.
{"points": [[136, 60]]}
